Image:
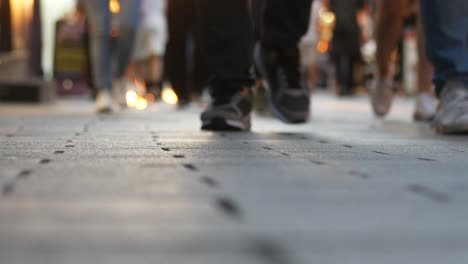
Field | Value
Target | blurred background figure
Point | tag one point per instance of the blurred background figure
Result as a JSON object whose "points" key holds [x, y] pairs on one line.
{"points": [[308, 45], [184, 67], [149, 49], [346, 42], [70, 53], [389, 30], [99, 15]]}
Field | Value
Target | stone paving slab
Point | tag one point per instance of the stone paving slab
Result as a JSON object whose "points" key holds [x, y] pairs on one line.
{"points": [[149, 187]]}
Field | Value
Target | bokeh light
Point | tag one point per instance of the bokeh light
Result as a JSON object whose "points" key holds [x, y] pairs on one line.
{"points": [[169, 96], [131, 98], [114, 6], [141, 103]]}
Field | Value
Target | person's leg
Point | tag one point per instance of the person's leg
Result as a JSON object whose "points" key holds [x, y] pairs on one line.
{"points": [[348, 64], [200, 79], [446, 32], [277, 58], [338, 72], [344, 71], [175, 59], [426, 103], [99, 26], [99, 23], [153, 83], [446, 35], [129, 19], [285, 23], [425, 69], [227, 38], [389, 25]]}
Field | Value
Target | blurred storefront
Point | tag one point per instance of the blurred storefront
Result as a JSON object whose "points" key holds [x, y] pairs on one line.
{"points": [[15, 19], [27, 43], [20, 67], [16, 23], [5, 26], [51, 12]]}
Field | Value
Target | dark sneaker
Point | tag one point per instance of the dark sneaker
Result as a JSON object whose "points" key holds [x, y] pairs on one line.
{"points": [[230, 113], [452, 114], [287, 92]]}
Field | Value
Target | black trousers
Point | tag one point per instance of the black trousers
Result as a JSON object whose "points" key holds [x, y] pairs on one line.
{"points": [[228, 35], [345, 68], [184, 64]]}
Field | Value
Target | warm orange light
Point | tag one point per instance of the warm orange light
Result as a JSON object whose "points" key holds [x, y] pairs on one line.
{"points": [[141, 103], [21, 14], [169, 96], [328, 18], [114, 6], [131, 98], [322, 46]]}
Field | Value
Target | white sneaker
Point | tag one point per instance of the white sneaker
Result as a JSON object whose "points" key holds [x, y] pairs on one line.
{"points": [[426, 107], [381, 96], [452, 114], [104, 102]]}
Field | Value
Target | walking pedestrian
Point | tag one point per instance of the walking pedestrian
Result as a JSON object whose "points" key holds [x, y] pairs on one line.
{"points": [[445, 26], [346, 43], [228, 37], [184, 65], [390, 17], [150, 46], [101, 57]]}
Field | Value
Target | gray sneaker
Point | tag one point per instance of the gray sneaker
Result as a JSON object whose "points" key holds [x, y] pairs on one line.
{"points": [[452, 114], [229, 113]]}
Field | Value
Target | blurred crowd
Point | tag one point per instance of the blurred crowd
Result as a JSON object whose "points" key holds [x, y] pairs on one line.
{"points": [[270, 55]]}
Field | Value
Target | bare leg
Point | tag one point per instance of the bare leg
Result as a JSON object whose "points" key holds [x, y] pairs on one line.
{"points": [[390, 16], [425, 69], [389, 22], [426, 103]]}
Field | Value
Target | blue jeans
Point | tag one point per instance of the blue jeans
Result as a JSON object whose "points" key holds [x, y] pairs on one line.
{"points": [[446, 32], [99, 17]]}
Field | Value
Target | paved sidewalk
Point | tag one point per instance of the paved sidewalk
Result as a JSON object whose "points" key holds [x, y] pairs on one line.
{"points": [[149, 187]]}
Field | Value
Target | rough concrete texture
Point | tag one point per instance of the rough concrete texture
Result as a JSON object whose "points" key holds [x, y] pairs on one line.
{"points": [[149, 187]]}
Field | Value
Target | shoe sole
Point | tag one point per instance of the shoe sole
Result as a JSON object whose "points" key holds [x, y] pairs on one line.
{"points": [[301, 117], [223, 124]]}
